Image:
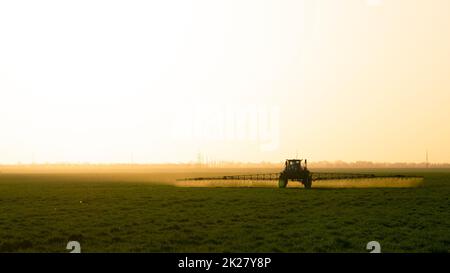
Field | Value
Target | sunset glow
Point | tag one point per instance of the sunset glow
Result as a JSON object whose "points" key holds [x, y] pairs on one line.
{"points": [[162, 81]]}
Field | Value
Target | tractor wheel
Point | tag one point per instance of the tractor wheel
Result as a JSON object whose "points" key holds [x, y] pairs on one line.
{"points": [[308, 182], [282, 182]]}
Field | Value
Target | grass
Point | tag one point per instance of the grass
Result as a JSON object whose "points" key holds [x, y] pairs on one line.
{"points": [[128, 213]]}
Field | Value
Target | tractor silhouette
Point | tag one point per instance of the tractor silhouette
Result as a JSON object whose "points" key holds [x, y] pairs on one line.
{"points": [[296, 171]]}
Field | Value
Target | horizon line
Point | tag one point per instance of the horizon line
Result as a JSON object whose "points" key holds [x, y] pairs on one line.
{"points": [[224, 162]]}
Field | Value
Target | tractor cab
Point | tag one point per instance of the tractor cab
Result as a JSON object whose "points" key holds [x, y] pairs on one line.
{"points": [[294, 165]]}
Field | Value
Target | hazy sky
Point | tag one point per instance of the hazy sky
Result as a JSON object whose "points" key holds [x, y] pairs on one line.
{"points": [[161, 81]]}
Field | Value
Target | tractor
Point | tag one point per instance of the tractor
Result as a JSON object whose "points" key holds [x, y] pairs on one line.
{"points": [[296, 171]]}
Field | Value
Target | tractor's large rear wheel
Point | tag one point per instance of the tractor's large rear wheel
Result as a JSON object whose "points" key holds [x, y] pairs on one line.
{"points": [[282, 182], [308, 182]]}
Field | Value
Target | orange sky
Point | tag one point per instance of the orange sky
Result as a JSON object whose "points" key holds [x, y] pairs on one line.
{"points": [[161, 81]]}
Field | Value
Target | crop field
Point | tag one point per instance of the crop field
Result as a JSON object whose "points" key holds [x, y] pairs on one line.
{"points": [[151, 212]]}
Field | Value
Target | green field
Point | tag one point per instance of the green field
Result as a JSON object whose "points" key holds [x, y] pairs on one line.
{"points": [[128, 213]]}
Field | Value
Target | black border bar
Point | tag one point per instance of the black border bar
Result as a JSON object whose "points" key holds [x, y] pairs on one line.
{"points": [[271, 262]]}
